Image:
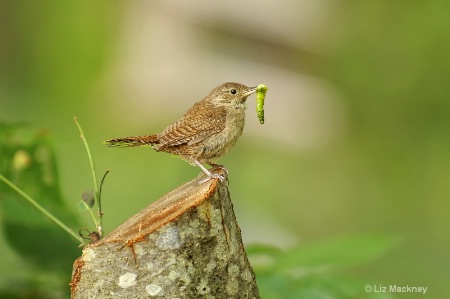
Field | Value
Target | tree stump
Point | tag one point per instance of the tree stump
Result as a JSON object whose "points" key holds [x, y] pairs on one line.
{"points": [[185, 245]]}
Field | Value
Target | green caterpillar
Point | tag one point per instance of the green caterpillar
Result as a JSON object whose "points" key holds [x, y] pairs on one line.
{"points": [[260, 95]]}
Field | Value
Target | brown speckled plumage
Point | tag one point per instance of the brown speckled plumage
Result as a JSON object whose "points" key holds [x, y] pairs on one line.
{"points": [[206, 132]]}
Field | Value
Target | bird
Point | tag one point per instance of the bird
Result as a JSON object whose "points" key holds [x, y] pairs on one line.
{"points": [[205, 133]]}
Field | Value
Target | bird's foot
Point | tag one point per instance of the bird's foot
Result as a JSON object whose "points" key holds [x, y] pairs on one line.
{"points": [[212, 176], [213, 173], [218, 166]]}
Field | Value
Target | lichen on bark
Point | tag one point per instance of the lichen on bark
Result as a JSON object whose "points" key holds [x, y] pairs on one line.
{"points": [[186, 245]]}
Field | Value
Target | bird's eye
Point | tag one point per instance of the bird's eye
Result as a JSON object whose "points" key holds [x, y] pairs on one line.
{"points": [[233, 91]]}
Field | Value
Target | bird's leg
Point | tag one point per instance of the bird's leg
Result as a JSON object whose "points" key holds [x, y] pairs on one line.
{"points": [[213, 165], [208, 173]]}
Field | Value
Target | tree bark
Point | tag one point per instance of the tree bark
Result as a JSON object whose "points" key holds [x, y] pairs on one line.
{"points": [[185, 245]]}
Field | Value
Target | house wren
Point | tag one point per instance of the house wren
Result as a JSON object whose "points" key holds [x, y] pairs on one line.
{"points": [[207, 131]]}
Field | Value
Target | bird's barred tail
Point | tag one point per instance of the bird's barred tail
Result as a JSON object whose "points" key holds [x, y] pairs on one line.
{"points": [[148, 140]]}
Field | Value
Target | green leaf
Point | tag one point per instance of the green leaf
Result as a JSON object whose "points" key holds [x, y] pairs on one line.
{"points": [[29, 162], [285, 287], [337, 252]]}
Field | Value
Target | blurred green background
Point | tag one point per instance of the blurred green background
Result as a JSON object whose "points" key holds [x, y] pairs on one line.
{"points": [[356, 138]]}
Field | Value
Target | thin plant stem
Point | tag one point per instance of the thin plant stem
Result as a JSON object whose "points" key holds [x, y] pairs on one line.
{"points": [[85, 206], [41, 209], [98, 223], [100, 212]]}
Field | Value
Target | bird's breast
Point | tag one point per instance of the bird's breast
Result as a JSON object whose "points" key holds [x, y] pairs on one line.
{"points": [[220, 144]]}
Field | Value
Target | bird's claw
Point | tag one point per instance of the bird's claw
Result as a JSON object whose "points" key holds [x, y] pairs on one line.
{"points": [[210, 174], [220, 167], [211, 177]]}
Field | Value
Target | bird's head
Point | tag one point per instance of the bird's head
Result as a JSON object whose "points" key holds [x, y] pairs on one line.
{"points": [[231, 94]]}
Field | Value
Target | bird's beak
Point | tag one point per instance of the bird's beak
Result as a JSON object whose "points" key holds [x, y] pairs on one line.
{"points": [[250, 90]]}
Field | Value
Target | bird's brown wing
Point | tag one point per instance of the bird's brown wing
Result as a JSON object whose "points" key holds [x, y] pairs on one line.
{"points": [[199, 122]]}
